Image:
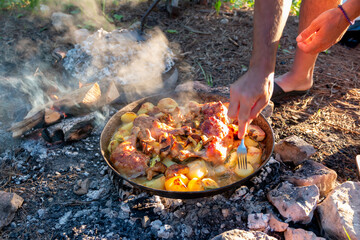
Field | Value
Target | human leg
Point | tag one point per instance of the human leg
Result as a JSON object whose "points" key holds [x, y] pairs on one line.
{"points": [[300, 77]]}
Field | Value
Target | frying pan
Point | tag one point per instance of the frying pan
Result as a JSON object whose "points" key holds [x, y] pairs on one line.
{"points": [[182, 97]]}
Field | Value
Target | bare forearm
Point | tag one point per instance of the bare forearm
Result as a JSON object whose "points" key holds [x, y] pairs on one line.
{"points": [[269, 21], [352, 8]]}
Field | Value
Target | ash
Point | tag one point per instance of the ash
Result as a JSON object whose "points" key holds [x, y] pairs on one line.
{"points": [[118, 56], [47, 177]]}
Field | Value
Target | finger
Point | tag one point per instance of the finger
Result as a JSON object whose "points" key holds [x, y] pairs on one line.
{"points": [[256, 109], [313, 47], [243, 117], [308, 32], [234, 105]]}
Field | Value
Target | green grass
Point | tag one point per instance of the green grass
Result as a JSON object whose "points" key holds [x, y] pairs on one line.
{"points": [[16, 4], [234, 4]]}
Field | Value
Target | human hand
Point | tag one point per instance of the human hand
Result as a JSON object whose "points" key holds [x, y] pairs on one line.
{"points": [[323, 32], [248, 96]]}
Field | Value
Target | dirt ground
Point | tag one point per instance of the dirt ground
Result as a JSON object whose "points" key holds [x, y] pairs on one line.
{"points": [[220, 45]]}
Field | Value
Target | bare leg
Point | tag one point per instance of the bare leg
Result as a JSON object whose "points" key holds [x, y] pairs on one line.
{"points": [[300, 76]]}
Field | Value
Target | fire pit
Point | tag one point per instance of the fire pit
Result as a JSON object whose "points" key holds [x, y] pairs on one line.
{"points": [[115, 122]]}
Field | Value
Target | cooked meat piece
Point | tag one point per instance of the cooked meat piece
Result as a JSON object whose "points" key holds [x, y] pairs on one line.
{"points": [[159, 128], [215, 109], [216, 151], [166, 142], [185, 154], [128, 161], [175, 150], [144, 122], [176, 169], [155, 170], [214, 127]]}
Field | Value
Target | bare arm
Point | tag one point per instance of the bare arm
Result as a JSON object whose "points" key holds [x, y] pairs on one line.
{"points": [[250, 93], [328, 28]]}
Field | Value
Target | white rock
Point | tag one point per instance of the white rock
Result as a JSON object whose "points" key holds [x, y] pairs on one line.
{"points": [[81, 35], [156, 224], [237, 234], [61, 21], [258, 221], [9, 204], [294, 149], [224, 21], [65, 218], [297, 204], [44, 9], [340, 211], [300, 234]]}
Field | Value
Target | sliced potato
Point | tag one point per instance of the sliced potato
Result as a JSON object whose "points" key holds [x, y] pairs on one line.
{"points": [[145, 108], [157, 183], [127, 126], [232, 160], [220, 170], [121, 134], [244, 172], [128, 117], [197, 169], [177, 183], [255, 132], [209, 183], [196, 184], [113, 145], [250, 143], [167, 105], [254, 155]]}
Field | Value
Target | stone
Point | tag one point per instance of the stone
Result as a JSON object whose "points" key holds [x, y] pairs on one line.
{"points": [[82, 187], [145, 222], [81, 35], [61, 21], [276, 224], [294, 149], [313, 173], [225, 212], [237, 234], [224, 21], [9, 204], [300, 234], [296, 204], [340, 212], [258, 221]]}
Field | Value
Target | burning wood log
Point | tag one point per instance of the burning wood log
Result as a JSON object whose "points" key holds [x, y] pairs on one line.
{"points": [[70, 129], [51, 116], [27, 124], [79, 102]]}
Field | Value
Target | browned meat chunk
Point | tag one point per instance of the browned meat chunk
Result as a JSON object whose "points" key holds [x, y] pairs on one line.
{"points": [[129, 161], [155, 170], [176, 169], [214, 127], [215, 109]]}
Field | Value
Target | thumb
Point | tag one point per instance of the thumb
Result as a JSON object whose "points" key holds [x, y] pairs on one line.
{"points": [[307, 33]]}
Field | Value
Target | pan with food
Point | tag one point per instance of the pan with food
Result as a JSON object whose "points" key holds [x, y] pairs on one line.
{"points": [[182, 145]]}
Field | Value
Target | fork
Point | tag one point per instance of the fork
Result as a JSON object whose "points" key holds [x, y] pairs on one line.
{"points": [[242, 155]]}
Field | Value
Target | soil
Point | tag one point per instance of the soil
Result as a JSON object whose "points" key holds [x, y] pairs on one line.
{"points": [[327, 117]]}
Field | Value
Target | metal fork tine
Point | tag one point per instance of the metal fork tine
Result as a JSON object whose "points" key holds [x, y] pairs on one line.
{"points": [[242, 155]]}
